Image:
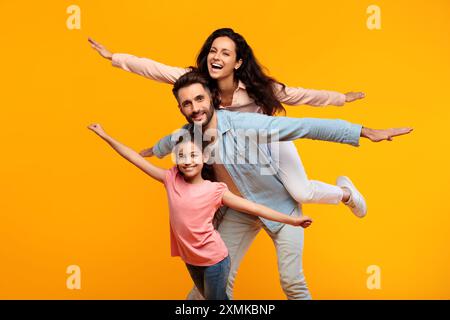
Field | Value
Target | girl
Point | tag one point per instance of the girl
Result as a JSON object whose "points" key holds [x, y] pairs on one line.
{"points": [[193, 201], [238, 83]]}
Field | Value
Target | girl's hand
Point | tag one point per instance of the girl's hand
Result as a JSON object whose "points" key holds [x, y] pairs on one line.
{"points": [[97, 128], [105, 53], [352, 96], [303, 221]]}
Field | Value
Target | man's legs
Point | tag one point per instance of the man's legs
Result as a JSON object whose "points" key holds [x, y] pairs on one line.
{"points": [[238, 230], [289, 246]]}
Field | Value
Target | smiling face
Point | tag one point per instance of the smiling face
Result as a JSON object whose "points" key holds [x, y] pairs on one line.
{"points": [[195, 104], [222, 58], [189, 159]]}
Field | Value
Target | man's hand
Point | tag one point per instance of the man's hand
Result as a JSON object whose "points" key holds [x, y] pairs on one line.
{"points": [[352, 96], [147, 152], [97, 128], [376, 135], [105, 53]]}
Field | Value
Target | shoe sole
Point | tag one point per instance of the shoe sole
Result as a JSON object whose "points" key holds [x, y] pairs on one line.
{"points": [[344, 181]]}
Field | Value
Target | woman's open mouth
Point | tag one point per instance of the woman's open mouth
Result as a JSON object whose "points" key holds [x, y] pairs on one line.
{"points": [[216, 67]]}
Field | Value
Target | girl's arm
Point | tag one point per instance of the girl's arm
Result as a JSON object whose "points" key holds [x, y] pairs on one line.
{"points": [[243, 205], [142, 66], [298, 96], [129, 154]]}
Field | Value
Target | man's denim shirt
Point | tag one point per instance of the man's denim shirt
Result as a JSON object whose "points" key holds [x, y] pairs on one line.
{"points": [[251, 177]]}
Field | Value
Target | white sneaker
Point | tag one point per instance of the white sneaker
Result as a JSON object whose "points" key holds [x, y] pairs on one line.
{"points": [[356, 203]]}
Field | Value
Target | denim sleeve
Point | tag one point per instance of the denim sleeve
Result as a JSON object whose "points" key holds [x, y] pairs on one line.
{"points": [[165, 146], [297, 128]]}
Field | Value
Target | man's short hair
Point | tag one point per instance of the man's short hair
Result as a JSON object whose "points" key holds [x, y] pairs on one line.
{"points": [[190, 78]]}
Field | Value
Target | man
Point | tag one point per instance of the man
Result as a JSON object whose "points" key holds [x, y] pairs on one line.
{"points": [[236, 229]]}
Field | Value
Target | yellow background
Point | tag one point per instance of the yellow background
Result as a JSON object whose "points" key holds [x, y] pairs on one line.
{"points": [[67, 199]]}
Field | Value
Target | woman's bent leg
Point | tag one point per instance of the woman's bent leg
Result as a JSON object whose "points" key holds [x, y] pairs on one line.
{"points": [[294, 178]]}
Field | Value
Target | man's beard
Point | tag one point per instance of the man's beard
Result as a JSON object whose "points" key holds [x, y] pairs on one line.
{"points": [[209, 114]]}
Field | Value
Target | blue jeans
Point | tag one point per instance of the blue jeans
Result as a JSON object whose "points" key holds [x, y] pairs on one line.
{"points": [[211, 281]]}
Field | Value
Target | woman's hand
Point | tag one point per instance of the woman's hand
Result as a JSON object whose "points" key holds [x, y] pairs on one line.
{"points": [[303, 221], [105, 53], [97, 128], [352, 96]]}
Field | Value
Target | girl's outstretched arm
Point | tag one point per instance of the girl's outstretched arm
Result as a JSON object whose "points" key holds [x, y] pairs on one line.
{"points": [[129, 154], [243, 205]]}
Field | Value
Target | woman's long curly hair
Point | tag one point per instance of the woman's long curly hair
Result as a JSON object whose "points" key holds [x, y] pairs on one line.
{"points": [[259, 86]]}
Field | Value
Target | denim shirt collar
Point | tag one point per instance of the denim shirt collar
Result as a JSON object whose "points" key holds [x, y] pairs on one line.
{"points": [[223, 122]]}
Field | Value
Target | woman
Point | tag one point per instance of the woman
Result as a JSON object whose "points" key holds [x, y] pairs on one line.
{"points": [[238, 83]]}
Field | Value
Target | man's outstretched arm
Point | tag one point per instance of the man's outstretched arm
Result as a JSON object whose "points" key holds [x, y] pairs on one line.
{"points": [[311, 128], [340, 131]]}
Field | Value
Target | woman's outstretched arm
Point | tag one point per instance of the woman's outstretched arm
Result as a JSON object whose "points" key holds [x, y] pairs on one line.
{"points": [[243, 205], [295, 96], [142, 66], [129, 154]]}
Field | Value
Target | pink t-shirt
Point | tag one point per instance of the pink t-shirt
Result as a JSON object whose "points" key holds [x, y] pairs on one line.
{"points": [[191, 211]]}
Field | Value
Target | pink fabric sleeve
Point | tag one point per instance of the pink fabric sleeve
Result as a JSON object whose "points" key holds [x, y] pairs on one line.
{"points": [[220, 190], [169, 176], [298, 96], [148, 68]]}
